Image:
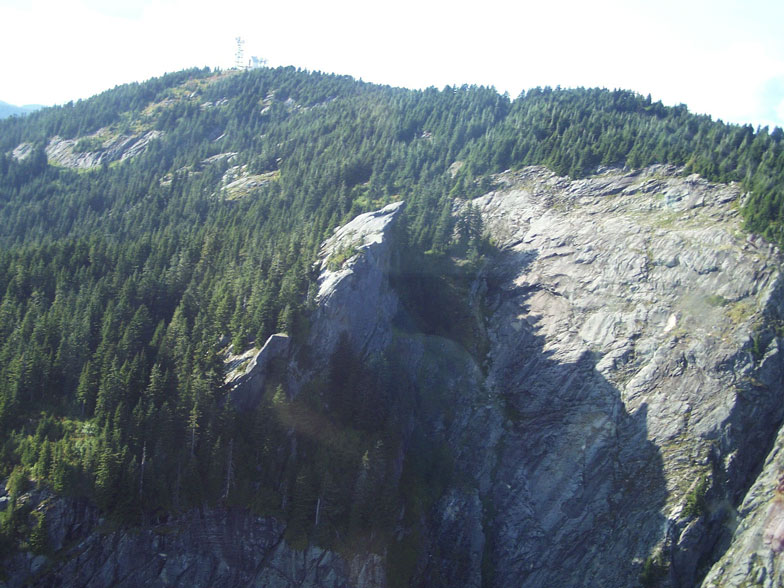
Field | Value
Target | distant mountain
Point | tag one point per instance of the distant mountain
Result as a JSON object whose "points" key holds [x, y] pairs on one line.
{"points": [[7, 110]]}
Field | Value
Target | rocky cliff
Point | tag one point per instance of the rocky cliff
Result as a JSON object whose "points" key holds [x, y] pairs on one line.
{"points": [[210, 547], [636, 355], [609, 390], [631, 389], [354, 295]]}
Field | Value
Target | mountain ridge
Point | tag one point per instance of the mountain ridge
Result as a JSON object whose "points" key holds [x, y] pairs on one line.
{"points": [[7, 109]]}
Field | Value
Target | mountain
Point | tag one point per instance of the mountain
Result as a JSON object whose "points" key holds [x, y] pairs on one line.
{"points": [[7, 110], [284, 328]]}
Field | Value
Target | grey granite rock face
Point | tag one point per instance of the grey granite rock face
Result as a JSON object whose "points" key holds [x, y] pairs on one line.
{"points": [[215, 548], [753, 554], [630, 348], [354, 296]]}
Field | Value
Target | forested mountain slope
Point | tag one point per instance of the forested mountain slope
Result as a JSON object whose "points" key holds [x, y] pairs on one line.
{"points": [[151, 235]]}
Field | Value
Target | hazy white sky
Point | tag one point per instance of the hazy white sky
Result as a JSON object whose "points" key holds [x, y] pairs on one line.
{"points": [[721, 57]]}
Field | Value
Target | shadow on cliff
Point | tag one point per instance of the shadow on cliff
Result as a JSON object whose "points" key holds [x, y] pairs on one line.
{"points": [[578, 487]]}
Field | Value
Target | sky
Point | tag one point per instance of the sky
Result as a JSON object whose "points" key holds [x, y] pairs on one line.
{"points": [[719, 57]]}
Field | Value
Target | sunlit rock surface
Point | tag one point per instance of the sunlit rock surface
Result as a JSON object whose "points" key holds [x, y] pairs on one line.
{"points": [[104, 147], [354, 295]]}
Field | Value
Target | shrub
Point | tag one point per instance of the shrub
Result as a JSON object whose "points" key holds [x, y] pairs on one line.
{"points": [[696, 502]]}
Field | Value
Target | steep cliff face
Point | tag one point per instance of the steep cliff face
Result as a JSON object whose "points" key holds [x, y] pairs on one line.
{"points": [[630, 391], [634, 352], [211, 547], [354, 295], [756, 536], [611, 406]]}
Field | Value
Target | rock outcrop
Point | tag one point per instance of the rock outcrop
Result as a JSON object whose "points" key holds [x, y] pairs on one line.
{"points": [[248, 372], [354, 295], [102, 147], [631, 387], [22, 151], [237, 182]]}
